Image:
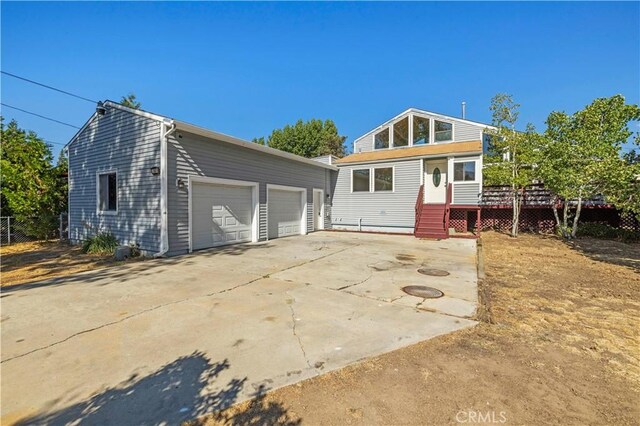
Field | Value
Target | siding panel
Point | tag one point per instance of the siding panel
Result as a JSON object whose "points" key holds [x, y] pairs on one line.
{"points": [[129, 144], [390, 211], [466, 193]]}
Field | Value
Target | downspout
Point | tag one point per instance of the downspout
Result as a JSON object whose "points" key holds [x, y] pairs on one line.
{"points": [[166, 128]]}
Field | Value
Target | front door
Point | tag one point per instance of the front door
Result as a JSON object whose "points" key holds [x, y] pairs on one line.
{"points": [[435, 181]]}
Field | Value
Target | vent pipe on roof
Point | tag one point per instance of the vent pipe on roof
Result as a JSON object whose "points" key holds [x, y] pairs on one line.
{"points": [[464, 109]]}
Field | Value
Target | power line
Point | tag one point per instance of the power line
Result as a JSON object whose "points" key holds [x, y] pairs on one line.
{"points": [[38, 115], [48, 87]]}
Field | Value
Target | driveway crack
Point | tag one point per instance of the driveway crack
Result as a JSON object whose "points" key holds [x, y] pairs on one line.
{"points": [[295, 334], [355, 284], [144, 311]]}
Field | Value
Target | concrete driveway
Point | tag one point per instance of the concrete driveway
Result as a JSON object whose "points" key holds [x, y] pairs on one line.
{"points": [[166, 340]]}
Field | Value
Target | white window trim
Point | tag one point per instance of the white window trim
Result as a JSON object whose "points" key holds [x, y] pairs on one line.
{"points": [[107, 212], [321, 191], [303, 205], [432, 135], [478, 177], [393, 133], [255, 221], [351, 187], [372, 178]]}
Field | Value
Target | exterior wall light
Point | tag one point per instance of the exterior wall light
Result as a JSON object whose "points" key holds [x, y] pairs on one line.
{"points": [[155, 170], [100, 109], [180, 183]]}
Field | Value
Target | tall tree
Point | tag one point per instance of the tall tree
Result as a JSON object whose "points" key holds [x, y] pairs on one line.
{"points": [[581, 158], [32, 187], [512, 155], [130, 101], [308, 139]]}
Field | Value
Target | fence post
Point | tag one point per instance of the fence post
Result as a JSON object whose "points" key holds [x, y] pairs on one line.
{"points": [[9, 230]]}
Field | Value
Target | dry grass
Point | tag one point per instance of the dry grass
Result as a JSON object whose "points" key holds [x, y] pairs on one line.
{"points": [[34, 261], [562, 347]]}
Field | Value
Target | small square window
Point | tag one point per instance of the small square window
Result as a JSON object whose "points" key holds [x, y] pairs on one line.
{"points": [[381, 139], [443, 132], [383, 179], [108, 192], [360, 180], [464, 171]]}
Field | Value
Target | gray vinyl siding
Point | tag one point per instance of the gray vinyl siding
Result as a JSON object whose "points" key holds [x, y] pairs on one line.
{"points": [[364, 144], [326, 159], [195, 155], [467, 132], [130, 145], [388, 211], [466, 193]]}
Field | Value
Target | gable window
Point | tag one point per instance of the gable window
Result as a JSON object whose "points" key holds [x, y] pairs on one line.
{"points": [[420, 130], [360, 180], [108, 192], [383, 179], [443, 131], [401, 132], [464, 171], [381, 139]]}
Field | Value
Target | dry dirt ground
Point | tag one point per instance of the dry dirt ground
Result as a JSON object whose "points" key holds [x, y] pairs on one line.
{"points": [[559, 344], [34, 261]]}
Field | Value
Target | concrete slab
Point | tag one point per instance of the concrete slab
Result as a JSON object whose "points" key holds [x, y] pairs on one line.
{"points": [[167, 340]]}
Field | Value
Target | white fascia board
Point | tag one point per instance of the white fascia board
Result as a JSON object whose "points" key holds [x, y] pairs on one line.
{"points": [[196, 130], [424, 112]]}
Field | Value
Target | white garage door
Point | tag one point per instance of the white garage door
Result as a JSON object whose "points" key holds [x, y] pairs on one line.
{"points": [[285, 213], [220, 214]]}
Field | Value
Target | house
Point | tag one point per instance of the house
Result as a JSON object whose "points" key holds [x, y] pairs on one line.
{"points": [[413, 174], [172, 187]]}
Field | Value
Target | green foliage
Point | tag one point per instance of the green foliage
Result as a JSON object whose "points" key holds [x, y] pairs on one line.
{"points": [[101, 243], [580, 157], [130, 101], [32, 187], [309, 139], [512, 155], [604, 231]]}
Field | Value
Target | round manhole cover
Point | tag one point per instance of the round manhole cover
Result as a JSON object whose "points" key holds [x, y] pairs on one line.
{"points": [[433, 272], [423, 291]]}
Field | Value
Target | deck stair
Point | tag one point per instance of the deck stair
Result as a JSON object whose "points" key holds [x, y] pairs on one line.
{"points": [[431, 220]]}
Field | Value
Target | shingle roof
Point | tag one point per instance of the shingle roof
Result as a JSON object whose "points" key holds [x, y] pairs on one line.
{"points": [[413, 151]]}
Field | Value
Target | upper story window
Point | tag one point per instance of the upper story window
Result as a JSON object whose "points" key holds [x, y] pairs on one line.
{"points": [[401, 132], [464, 171], [381, 139], [108, 192], [360, 180], [420, 130], [443, 131]]}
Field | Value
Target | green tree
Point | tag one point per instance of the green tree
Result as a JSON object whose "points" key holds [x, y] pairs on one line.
{"points": [[32, 187], [308, 139], [512, 155], [581, 158], [130, 101]]}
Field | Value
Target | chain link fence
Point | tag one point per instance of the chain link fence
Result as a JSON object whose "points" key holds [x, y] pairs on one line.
{"points": [[13, 231]]}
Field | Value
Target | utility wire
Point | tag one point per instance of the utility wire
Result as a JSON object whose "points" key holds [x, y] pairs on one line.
{"points": [[48, 87], [38, 115]]}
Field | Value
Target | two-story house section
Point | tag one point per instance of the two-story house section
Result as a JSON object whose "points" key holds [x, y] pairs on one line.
{"points": [[412, 174]]}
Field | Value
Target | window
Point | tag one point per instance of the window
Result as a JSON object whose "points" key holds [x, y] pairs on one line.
{"points": [[443, 131], [108, 192], [401, 132], [420, 130], [360, 180], [383, 179], [464, 171], [381, 140]]}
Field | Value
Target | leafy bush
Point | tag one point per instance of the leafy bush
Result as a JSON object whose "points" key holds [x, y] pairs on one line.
{"points": [[102, 243], [601, 230]]}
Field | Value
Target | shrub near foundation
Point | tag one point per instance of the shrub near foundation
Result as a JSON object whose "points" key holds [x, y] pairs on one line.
{"points": [[102, 243]]}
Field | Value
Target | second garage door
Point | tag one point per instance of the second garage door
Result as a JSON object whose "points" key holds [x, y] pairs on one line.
{"points": [[285, 213], [220, 214]]}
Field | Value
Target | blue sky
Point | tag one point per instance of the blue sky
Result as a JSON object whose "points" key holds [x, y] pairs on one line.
{"points": [[247, 68]]}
